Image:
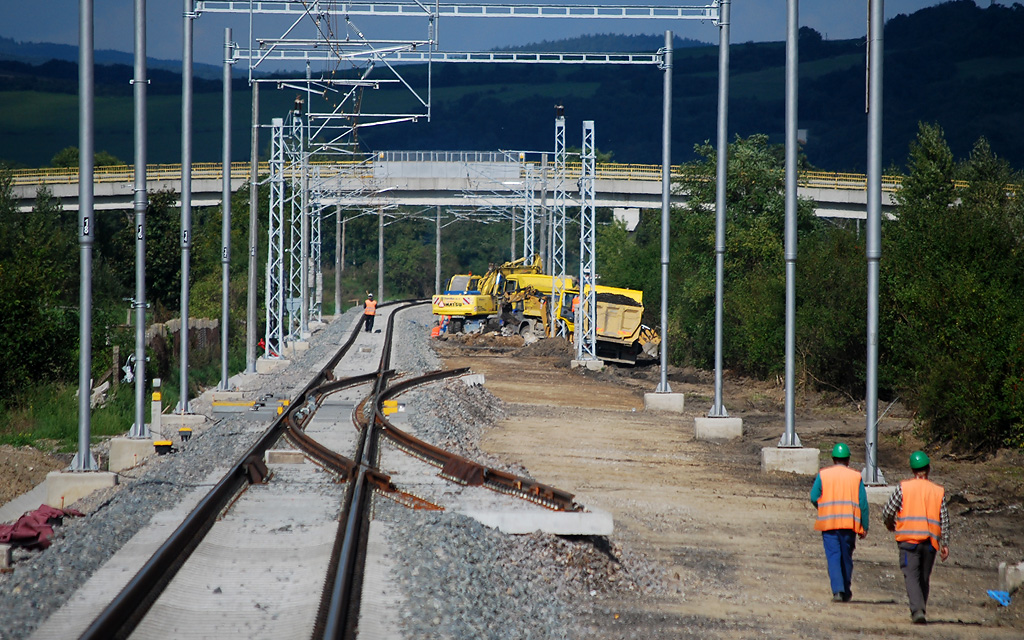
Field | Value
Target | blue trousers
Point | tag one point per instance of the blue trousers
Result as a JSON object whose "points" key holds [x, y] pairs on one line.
{"points": [[839, 546]]}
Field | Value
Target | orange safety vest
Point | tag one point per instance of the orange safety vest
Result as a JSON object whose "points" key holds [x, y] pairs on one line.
{"points": [[575, 303], [371, 308], [919, 518], [839, 504]]}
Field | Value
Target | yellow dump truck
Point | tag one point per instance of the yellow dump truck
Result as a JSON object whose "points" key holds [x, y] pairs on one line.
{"points": [[512, 295], [621, 335]]}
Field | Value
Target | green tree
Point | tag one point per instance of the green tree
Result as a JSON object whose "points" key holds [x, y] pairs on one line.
{"points": [[67, 158], [953, 266], [37, 266], [754, 260]]}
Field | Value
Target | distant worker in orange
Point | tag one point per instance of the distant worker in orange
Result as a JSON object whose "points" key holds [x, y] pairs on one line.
{"points": [[917, 512], [842, 503], [369, 312]]}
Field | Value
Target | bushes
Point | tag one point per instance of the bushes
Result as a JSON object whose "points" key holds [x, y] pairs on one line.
{"points": [[953, 317]]}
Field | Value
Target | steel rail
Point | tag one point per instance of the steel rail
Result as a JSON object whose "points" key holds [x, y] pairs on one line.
{"points": [[462, 470], [131, 605], [339, 612]]}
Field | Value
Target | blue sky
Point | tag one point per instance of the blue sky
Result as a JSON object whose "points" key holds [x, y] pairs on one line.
{"points": [[752, 20]]}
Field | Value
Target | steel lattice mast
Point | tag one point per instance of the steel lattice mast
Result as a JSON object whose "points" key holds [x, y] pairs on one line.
{"points": [[558, 218], [586, 343], [274, 345]]}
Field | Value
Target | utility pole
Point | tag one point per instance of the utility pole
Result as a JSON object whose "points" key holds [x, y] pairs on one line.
{"points": [[140, 203], [250, 310], [186, 197], [225, 229], [83, 460], [876, 31]]}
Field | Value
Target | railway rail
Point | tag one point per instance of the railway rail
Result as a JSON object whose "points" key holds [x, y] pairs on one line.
{"points": [[338, 610]]}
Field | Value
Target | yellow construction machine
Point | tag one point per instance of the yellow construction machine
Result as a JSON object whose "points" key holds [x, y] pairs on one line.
{"points": [[621, 335]]}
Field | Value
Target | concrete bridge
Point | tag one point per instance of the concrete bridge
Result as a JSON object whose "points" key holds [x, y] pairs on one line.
{"points": [[426, 178]]}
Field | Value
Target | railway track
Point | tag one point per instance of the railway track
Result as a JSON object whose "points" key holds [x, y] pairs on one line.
{"points": [[294, 536]]}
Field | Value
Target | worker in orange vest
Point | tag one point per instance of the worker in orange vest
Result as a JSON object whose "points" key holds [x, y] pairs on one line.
{"points": [[917, 512], [842, 503], [369, 311]]}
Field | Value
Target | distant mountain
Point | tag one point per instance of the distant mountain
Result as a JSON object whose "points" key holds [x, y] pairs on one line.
{"points": [[955, 64], [39, 52]]}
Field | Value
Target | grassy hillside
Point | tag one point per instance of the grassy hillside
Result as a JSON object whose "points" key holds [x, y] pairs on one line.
{"points": [[955, 64]]}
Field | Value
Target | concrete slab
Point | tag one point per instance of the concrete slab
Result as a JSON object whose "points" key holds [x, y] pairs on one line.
{"points": [[1011, 576], [126, 453], [24, 503], [71, 620], [174, 421], [562, 523], [673, 402], [65, 487], [879, 495], [717, 428], [284, 456], [5, 556], [380, 599], [229, 396], [801, 460], [224, 406], [591, 365], [269, 365]]}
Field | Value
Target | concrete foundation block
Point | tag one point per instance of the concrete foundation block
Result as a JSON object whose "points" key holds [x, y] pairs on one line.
{"points": [[717, 428], [174, 421], [269, 365], [801, 460], [1011, 576], [879, 495], [591, 365], [231, 402], [5, 556], [594, 522], [300, 345], [672, 402], [65, 487], [284, 456], [126, 453]]}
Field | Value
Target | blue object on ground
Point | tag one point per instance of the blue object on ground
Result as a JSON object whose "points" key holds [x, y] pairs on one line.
{"points": [[1002, 597]]}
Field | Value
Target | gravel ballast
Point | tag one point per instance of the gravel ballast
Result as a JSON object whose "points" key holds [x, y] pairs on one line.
{"points": [[458, 578]]}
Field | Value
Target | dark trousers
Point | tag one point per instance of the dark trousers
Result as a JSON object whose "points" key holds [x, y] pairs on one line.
{"points": [[839, 546], [917, 560], [368, 322]]}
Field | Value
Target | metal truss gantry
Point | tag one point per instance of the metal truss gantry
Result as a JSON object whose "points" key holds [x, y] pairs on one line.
{"points": [[325, 33]]}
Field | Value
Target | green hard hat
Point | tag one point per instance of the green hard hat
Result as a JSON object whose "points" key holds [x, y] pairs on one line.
{"points": [[919, 460], [840, 450]]}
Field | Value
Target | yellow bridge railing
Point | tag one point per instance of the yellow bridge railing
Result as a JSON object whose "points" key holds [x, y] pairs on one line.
{"points": [[240, 170]]}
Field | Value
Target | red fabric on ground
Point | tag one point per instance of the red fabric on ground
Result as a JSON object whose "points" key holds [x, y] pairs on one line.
{"points": [[34, 529]]}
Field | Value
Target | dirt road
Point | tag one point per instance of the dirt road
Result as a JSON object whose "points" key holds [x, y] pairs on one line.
{"points": [[737, 544]]}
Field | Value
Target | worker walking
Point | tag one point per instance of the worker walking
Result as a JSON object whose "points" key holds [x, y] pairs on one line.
{"points": [[369, 311], [842, 503], [917, 512]]}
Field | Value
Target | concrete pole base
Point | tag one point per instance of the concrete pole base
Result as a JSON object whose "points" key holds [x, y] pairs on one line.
{"points": [[269, 365], [672, 402], [1011, 576], [65, 487], [717, 428], [878, 494], [591, 365], [126, 453], [801, 460]]}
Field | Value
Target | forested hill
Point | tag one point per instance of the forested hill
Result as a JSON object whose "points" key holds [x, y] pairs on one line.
{"points": [[955, 64]]}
